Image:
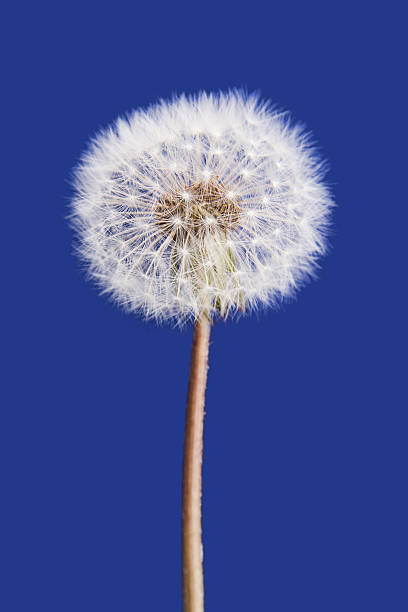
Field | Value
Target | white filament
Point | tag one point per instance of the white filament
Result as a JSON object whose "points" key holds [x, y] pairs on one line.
{"points": [[265, 165]]}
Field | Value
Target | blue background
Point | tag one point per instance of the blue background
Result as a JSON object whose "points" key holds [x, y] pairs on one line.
{"points": [[305, 441]]}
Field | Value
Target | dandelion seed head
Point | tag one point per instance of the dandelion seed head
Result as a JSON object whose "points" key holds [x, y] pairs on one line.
{"points": [[208, 204]]}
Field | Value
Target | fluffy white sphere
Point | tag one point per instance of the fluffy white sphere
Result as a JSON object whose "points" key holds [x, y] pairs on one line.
{"points": [[209, 204]]}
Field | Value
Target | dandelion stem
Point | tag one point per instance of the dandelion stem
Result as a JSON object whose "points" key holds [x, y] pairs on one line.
{"points": [[193, 579]]}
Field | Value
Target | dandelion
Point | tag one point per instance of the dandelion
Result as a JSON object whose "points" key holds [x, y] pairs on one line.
{"points": [[197, 209]]}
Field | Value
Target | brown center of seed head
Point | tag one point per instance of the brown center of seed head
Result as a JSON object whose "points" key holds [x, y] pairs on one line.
{"points": [[198, 208]]}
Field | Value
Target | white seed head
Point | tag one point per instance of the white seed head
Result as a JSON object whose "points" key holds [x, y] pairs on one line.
{"points": [[209, 204]]}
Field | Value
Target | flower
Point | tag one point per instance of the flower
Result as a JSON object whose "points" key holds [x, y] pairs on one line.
{"points": [[208, 204]]}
